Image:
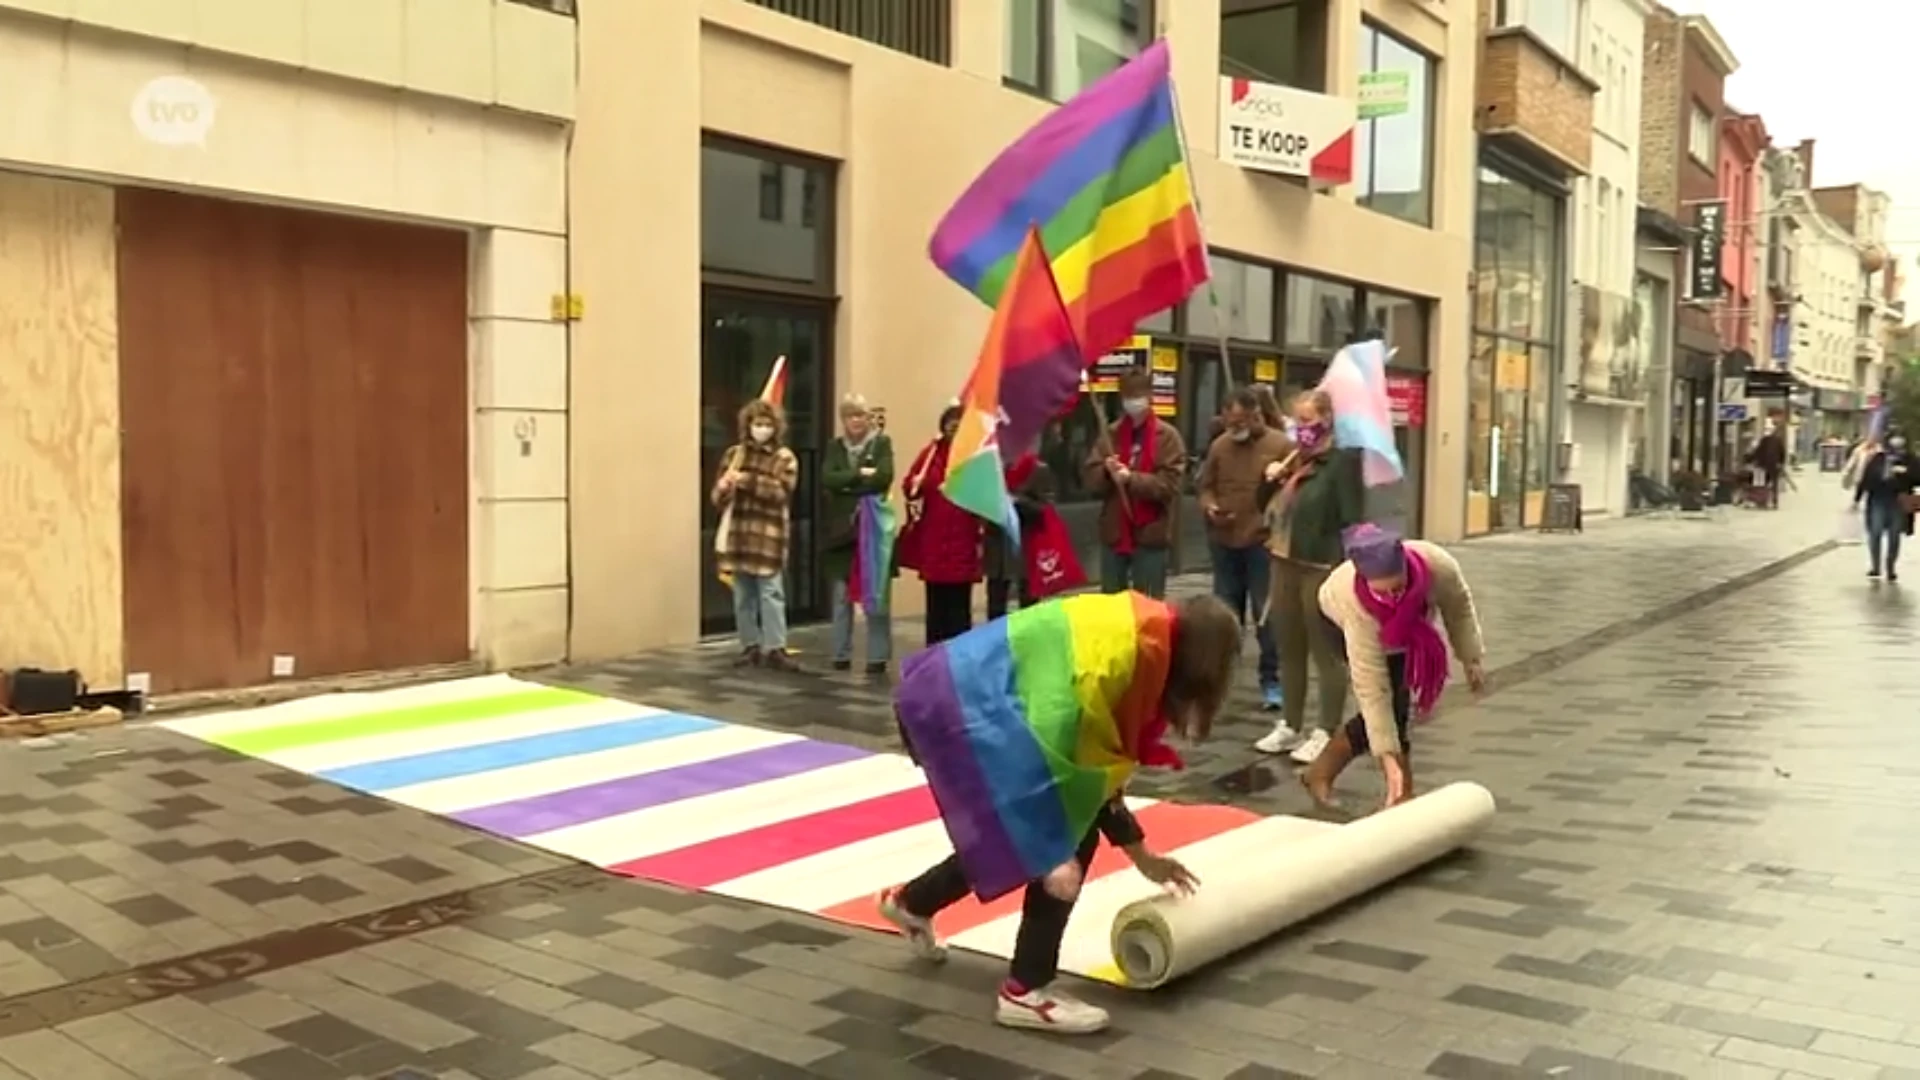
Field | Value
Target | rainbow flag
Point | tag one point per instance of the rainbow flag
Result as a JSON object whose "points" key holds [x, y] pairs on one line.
{"points": [[1027, 725], [1105, 178], [1356, 380], [875, 529], [1028, 371]]}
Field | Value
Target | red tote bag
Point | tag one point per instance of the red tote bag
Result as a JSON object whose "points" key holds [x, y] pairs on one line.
{"points": [[1052, 566]]}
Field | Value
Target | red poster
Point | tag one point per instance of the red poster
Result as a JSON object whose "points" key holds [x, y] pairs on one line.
{"points": [[1407, 398]]}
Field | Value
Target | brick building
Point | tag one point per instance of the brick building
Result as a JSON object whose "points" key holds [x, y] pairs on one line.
{"points": [[1684, 72]]}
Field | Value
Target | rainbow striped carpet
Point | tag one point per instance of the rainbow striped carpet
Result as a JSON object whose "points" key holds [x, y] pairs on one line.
{"points": [[686, 800]]}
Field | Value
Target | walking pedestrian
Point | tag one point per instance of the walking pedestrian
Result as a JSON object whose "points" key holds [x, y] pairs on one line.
{"points": [[1886, 488], [1230, 487]]}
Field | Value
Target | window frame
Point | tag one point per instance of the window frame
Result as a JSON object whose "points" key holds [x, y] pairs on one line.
{"points": [[1046, 24], [1371, 34]]}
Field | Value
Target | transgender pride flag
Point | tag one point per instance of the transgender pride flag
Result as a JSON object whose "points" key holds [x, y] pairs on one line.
{"points": [[1362, 418]]}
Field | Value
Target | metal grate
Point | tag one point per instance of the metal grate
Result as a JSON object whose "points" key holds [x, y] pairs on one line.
{"points": [[922, 28]]}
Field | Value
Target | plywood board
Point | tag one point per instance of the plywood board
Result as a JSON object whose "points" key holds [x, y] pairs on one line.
{"points": [[60, 567]]}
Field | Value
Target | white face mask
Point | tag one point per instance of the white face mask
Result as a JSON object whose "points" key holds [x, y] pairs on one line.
{"points": [[1242, 435], [1898, 442], [1136, 407], [761, 432]]}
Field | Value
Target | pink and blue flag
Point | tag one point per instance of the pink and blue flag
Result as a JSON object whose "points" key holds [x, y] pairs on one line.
{"points": [[875, 529], [1356, 381]]}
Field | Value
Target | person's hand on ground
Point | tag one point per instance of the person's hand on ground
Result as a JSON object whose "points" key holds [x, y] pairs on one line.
{"points": [[1399, 780], [1166, 872], [1477, 677]]}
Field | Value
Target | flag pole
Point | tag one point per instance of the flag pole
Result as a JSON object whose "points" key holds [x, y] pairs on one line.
{"points": [[1199, 218]]}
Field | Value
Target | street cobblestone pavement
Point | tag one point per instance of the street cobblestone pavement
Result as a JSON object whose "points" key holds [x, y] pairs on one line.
{"points": [[1703, 867]]}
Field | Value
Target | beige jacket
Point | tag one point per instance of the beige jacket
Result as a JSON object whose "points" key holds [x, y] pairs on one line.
{"points": [[1367, 660]]}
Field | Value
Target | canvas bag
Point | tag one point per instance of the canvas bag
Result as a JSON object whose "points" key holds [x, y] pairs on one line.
{"points": [[1052, 565]]}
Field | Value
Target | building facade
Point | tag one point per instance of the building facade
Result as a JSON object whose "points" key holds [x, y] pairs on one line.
{"points": [[1685, 67], [280, 393], [1536, 117], [787, 170], [1608, 387]]}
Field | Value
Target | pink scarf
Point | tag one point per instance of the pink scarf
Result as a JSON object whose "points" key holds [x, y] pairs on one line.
{"points": [[1406, 626]]}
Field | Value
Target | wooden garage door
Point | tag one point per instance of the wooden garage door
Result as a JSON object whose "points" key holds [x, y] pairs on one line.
{"points": [[294, 394]]}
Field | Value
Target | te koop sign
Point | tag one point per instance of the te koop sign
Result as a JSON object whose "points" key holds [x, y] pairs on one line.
{"points": [[1279, 129]]}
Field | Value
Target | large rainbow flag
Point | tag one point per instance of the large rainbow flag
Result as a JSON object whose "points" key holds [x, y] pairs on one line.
{"points": [[1027, 725], [1104, 177], [1028, 371]]}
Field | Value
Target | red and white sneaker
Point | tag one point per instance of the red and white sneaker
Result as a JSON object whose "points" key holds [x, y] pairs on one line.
{"points": [[1048, 1009], [918, 931]]}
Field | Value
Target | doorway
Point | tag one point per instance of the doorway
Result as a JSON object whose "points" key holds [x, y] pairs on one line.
{"points": [[743, 334]]}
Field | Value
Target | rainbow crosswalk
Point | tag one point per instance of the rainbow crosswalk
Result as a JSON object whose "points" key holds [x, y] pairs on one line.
{"points": [[756, 815]]}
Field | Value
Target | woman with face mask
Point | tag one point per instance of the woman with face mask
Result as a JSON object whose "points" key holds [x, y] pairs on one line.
{"points": [[757, 478], [1136, 472], [1886, 486], [1308, 501], [941, 542]]}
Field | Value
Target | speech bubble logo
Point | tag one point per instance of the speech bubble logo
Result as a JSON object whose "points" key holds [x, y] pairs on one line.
{"points": [[174, 110]]}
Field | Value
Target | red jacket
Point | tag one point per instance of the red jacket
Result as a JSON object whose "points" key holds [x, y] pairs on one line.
{"points": [[941, 541]]}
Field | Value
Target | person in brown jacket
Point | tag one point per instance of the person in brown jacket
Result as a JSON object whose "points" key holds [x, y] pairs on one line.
{"points": [[1230, 486], [1136, 472]]}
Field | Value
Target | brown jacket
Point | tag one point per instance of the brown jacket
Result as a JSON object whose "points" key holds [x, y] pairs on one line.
{"points": [[755, 509], [1231, 480], [1367, 661], [1160, 487]]}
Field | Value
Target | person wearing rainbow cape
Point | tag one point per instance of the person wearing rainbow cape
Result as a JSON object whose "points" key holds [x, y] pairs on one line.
{"points": [[1028, 729], [1382, 604]]}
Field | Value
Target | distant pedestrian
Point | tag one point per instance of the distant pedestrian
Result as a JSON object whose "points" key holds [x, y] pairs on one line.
{"points": [[941, 542], [1382, 604], [1137, 474], [1886, 488], [1230, 486], [755, 487]]}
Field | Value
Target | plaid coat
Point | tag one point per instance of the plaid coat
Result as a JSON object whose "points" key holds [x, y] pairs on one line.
{"points": [[756, 541]]}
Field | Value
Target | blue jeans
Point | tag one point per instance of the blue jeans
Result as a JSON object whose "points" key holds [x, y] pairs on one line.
{"points": [[879, 629], [1241, 579], [760, 611], [1144, 571], [1886, 523]]}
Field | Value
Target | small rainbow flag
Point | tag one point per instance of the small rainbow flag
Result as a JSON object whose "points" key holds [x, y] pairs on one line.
{"points": [[875, 530], [1356, 380], [1027, 725], [1105, 177], [1028, 371]]}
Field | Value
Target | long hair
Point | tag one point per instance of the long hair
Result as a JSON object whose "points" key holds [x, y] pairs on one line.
{"points": [[1206, 649], [1270, 407], [760, 410]]}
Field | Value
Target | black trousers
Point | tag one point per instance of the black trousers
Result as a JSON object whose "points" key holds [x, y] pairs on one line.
{"points": [[949, 612], [1402, 711], [999, 592], [1043, 916]]}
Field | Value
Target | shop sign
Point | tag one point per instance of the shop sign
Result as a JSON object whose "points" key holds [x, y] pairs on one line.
{"points": [[1166, 381], [1108, 369], [1290, 132], [1384, 93], [1407, 400], [1709, 238], [1266, 369]]}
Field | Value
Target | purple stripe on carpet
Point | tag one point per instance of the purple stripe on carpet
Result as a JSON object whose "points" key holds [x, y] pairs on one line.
{"points": [[577, 806]]}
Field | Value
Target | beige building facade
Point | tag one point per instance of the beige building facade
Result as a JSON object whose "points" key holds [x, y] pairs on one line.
{"points": [[747, 183]]}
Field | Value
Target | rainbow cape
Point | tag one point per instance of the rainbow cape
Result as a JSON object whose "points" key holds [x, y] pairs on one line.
{"points": [[1105, 178], [875, 529], [1028, 725]]}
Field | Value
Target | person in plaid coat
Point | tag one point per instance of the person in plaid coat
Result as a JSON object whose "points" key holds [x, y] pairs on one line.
{"points": [[755, 491]]}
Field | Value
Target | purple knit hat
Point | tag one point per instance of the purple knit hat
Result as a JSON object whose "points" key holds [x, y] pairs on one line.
{"points": [[1374, 551]]}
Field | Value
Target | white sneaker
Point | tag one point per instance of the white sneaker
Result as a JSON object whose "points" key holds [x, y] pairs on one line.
{"points": [[1278, 741], [1309, 749], [1049, 1010], [918, 931]]}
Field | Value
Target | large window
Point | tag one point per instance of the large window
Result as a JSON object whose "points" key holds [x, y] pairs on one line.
{"points": [[1401, 321], [1245, 291], [1700, 135], [1057, 48], [1275, 41], [1320, 314], [761, 215], [1393, 155], [1555, 22]]}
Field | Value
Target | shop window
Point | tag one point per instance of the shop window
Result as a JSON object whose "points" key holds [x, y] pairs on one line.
{"points": [[1245, 292], [1393, 155], [745, 226], [1320, 313], [1275, 41], [1401, 321], [1057, 48]]}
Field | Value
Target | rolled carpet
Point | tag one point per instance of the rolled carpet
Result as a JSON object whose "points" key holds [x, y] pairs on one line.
{"points": [[1283, 871]]}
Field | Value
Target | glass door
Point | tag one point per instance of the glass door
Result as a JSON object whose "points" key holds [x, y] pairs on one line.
{"points": [[742, 336]]}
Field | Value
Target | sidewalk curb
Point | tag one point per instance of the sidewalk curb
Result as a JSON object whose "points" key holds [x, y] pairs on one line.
{"points": [[1548, 660]]}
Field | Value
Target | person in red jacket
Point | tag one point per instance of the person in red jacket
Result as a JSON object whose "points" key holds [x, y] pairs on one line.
{"points": [[941, 542]]}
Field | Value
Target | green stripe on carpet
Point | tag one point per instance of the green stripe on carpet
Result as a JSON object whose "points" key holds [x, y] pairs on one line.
{"points": [[262, 742]]}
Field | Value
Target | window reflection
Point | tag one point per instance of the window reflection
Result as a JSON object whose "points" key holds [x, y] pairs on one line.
{"points": [[1245, 293], [1402, 323], [1060, 47], [1320, 313], [761, 216], [1393, 155]]}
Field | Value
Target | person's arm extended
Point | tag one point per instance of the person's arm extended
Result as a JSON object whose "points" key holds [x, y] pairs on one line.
{"points": [[1366, 663], [1093, 471], [1455, 601], [722, 491]]}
